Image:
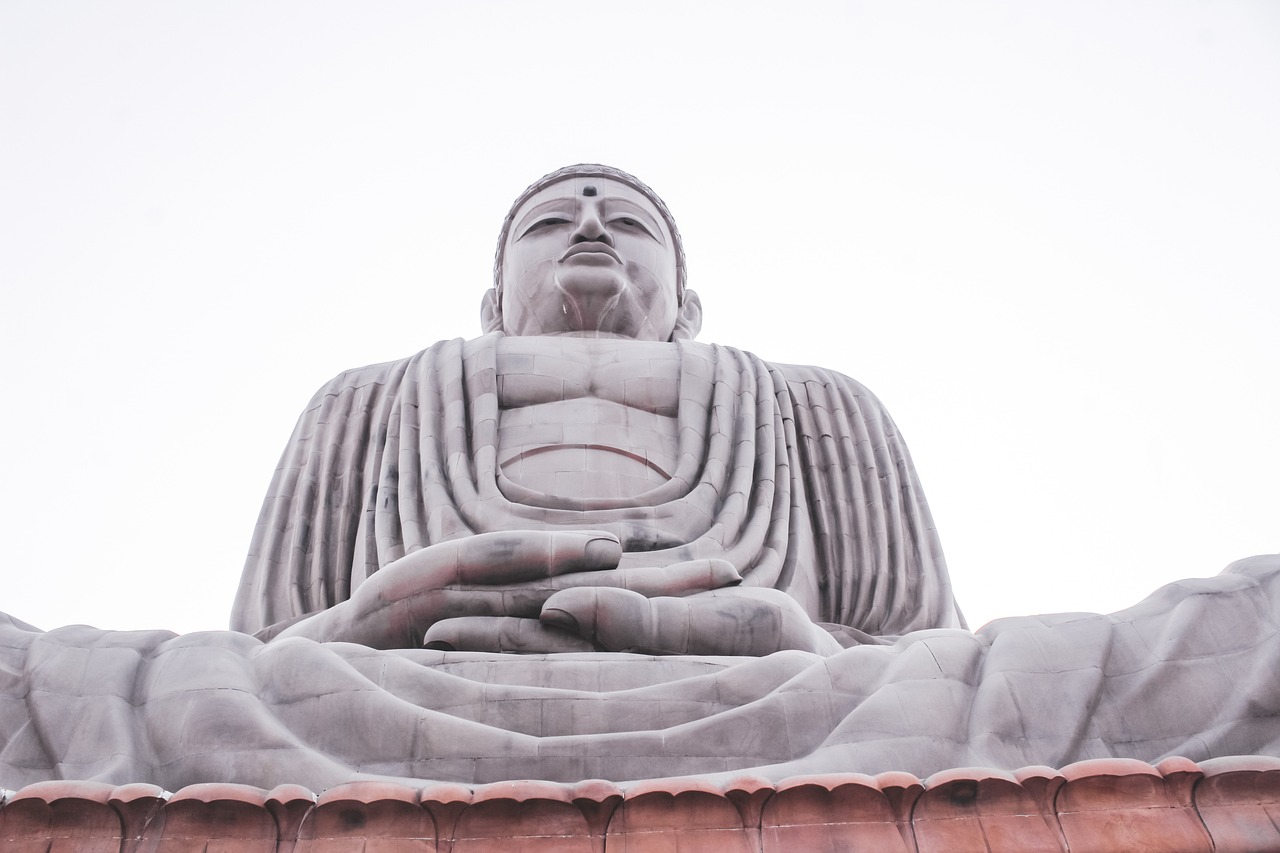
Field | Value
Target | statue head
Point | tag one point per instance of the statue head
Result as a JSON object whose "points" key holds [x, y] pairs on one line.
{"points": [[590, 250]]}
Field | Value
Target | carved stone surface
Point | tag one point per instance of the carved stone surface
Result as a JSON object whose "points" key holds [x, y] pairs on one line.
{"points": [[630, 556], [588, 407], [1100, 805]]}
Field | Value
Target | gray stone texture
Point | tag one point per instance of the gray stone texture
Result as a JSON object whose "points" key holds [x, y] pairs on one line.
{"points": [[586, 546], [1189, 671]]}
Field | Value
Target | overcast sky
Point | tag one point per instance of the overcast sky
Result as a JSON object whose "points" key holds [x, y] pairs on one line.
{"points": [[1047, 235]]}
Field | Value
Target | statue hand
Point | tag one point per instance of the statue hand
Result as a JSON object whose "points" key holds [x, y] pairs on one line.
{"points": [[733, 621], [396, 604], [524, 627], [506, 576]]}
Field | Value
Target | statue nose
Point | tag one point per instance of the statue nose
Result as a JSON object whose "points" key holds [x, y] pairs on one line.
{"points": [[591, 229]]}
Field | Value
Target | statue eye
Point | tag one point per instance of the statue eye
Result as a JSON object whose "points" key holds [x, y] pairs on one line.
{"points": [[547, 222], [628, 222]]}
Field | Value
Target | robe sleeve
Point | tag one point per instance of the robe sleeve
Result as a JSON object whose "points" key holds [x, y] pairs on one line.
{"points": [[307, 544], [879, 561]]}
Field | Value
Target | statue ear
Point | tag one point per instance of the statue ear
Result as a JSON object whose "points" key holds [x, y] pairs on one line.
{"points": [[689, 321], [491, 311]]}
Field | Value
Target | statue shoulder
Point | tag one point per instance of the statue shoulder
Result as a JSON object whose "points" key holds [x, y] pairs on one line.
{"points": [[804, 379], [807, 385], [386, 373]]}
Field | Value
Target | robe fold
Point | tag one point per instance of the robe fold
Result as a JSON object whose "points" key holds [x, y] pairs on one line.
{"points": [[795, 474], [1190, 671]]}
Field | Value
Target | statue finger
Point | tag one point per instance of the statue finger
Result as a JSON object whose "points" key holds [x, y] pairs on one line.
{"points": [[677, 579], [401, 623], [501, 634], [523, 555], [496, 558], [616, 620], [716, 623], [761, 621]]}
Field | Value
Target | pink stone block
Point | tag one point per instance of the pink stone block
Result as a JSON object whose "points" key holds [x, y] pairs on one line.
{"points": [[138, 804], [1112, 804], [60, 817], [288, 806], [980, 809], [372, 817], [832, 813], [1239, 802], [679, 816], [213, 818], [523, 817]]}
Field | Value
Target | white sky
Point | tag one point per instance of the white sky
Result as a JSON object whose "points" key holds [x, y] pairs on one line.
{"points": [[1045, 234]]}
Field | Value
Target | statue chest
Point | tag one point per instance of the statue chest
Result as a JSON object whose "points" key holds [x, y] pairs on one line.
{"points": [[587, 419]]}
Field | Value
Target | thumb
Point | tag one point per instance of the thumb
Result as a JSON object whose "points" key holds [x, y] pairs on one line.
{"points": [[523, 555], [618, 620]]}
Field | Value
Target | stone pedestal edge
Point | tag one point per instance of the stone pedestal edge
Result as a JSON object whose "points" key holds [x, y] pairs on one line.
{"points": [[1223, 804]]}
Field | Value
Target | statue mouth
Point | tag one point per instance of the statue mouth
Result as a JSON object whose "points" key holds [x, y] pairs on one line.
{"points": [[591, 248]]}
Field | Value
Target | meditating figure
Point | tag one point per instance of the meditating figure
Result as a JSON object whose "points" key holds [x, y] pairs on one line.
{"points": [[586, 477], [584, 545]]}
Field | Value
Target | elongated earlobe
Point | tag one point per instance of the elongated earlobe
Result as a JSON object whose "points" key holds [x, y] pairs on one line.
{"points": [[689, 321], [491, 311]]}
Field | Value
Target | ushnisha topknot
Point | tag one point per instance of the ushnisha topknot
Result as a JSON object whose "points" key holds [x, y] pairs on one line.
{"points": [[592, 170]]}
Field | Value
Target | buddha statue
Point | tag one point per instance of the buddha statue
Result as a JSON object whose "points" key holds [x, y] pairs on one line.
{"points": [[585, 545], [663, 495]]}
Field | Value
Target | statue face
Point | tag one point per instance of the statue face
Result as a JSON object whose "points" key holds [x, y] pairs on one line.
{"points": [[589, 256]]}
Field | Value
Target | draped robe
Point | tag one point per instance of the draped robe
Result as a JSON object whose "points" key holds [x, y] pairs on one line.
{"points": [[796, 474]]}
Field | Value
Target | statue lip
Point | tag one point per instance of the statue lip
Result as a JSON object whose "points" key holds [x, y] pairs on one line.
{"points": [[591, 247]]}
